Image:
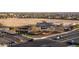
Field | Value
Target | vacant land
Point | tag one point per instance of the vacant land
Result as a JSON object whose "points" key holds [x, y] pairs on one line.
{"points": [[15, 22]]}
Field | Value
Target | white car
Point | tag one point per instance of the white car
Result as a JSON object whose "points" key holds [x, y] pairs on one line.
{"points": [[58, 37]]}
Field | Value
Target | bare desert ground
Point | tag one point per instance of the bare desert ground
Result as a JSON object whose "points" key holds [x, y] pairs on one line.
{"points": [[15, 22]]}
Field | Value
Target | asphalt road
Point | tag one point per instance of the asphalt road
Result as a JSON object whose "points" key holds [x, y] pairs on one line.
{"points": [[11, 39], [48, 41], [41, 43], [66, 37], [51, 42]]}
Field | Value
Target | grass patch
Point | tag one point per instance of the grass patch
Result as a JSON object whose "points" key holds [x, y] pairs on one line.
{"points": [[27, 35], [77, 45]]}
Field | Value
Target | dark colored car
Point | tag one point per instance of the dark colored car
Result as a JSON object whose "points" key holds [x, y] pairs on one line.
{"points": [[71, 42], [30, 40]]}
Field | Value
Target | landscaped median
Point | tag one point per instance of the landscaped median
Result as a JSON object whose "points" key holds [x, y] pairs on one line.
{"points": [[27, 35]]}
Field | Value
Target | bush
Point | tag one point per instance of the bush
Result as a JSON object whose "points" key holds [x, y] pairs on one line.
{"points": [[76, 26]]}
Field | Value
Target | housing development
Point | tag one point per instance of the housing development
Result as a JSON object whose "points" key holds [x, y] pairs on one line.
{"points": [[34, 29]]}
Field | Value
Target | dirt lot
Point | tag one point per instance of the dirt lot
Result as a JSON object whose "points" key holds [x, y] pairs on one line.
{"points": [[15, 22]]}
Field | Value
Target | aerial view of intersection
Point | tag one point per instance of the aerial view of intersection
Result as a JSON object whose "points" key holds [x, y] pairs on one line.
{"points": [[39, 29]]}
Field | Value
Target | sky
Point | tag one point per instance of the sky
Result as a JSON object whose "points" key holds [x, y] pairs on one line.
{"points": [[39, 5]]}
